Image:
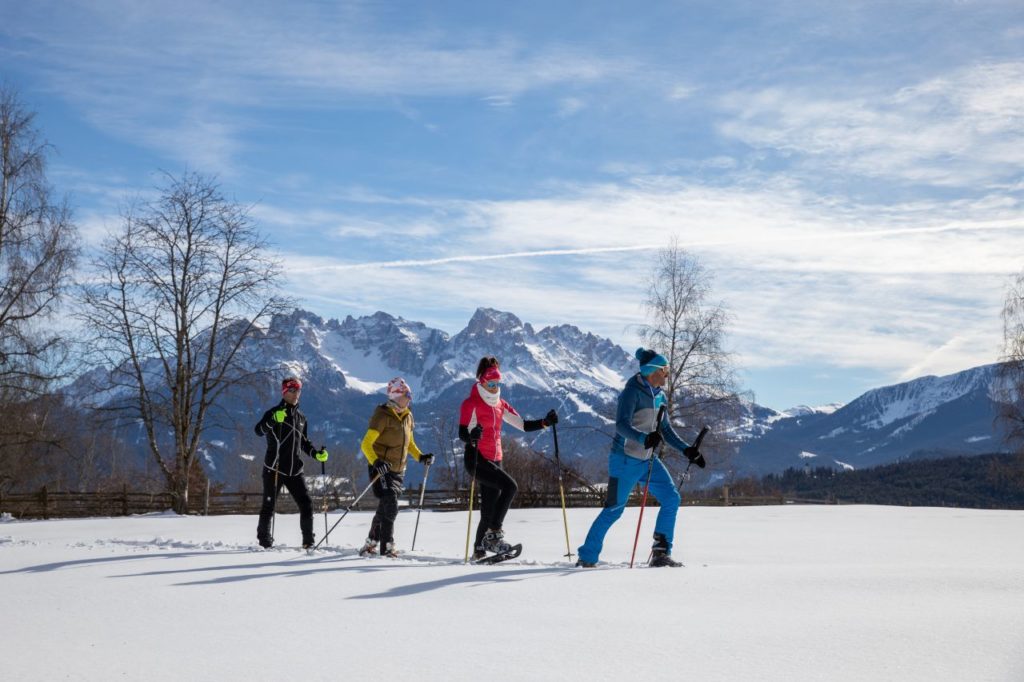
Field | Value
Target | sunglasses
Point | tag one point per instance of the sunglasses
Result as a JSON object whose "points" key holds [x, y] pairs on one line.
{"points": [[492, 384]]}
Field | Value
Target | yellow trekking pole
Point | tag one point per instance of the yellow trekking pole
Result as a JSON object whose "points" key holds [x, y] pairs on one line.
{"points": [[561, 490]]}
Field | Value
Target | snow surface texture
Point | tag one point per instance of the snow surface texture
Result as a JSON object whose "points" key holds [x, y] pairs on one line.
{"points": [[768, 593]]}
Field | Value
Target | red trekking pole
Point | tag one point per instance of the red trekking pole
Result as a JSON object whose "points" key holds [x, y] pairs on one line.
{"points": [[647, 485]]}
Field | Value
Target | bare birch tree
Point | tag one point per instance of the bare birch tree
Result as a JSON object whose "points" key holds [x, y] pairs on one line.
{"points": [[1010, 375], [689, 330], [177, 292], [37, 255]]}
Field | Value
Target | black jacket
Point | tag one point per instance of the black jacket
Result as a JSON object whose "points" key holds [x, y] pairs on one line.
{"points": [[285, 439]]}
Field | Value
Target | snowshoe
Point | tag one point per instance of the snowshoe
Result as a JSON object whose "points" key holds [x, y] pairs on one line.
{"points": [[580, 563], [511, 553], [494, 541], [369, 549], [388, 550]]}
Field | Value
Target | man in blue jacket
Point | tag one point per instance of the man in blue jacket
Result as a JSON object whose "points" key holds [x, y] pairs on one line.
{"points": [[636, 438]]}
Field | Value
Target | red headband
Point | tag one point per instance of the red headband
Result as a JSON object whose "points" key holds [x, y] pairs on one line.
{"points": [[492, 374], [287, 385]]}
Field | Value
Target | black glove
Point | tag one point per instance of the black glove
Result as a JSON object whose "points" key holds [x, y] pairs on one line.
{"points": [[652, 440], [427, 459], [693, 454], [380, 467], [474, 435], [395, 483], [551, 418]]}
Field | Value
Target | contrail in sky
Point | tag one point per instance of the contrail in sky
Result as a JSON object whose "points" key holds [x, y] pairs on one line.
{"points": [[952, 227], [484, 257]]}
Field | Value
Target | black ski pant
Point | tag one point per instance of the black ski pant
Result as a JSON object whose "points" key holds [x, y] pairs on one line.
{"points": [[296, 486], [497, 489], [387, 489]]}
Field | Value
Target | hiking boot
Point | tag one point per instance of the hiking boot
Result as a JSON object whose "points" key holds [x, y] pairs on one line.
{"points": [[494, 541], [369, 549], [388, 550], [661, 558], [478, 554], [265, 542], [661, 553], [585, 564]]}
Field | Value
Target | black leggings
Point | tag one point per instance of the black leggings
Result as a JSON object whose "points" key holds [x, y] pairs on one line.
{"points": [[386, 489], [296, 485], [497, 489]]}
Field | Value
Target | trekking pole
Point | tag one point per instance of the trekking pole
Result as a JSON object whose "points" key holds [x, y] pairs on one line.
{"points": [[643, 503], [347, 510], [469, 521], [561, 490], [323, 473], [423, 489], [273, 518], [647, 486]]}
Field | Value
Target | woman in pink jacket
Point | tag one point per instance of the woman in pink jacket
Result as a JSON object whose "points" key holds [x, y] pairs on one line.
{"points": [[480, 420]]}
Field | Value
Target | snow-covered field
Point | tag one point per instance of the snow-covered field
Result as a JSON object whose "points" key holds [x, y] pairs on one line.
{"points": [[768, 593]]}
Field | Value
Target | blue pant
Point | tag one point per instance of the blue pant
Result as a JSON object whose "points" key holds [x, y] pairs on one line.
{"points": [[623, 474]]}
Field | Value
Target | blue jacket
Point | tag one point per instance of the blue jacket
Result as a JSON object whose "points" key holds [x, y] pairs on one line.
{"points": [[635, 417]]}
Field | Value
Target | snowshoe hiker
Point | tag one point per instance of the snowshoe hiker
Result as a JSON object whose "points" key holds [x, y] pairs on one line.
{"points": [[388, 441], [480, 419], [284, 427], [636, 437]]}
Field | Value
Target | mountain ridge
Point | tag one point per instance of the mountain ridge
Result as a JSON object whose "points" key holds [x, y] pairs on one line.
{"points": [[346, 364]]}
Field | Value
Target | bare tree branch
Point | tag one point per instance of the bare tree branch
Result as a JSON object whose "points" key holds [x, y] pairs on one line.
{"points": [[183, 286], [1009, 387], [37, 255], [690, 331]]}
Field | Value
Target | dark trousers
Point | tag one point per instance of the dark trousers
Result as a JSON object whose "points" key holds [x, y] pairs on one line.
{"points": [[296, 486], [497, 489], [387, 490]]}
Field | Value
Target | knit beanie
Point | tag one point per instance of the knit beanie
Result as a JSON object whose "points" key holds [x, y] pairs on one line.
{"points": [[650, 361], [397, 388], [289, 383]]}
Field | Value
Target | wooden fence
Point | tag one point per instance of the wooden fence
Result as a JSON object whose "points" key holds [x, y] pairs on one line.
{"points": [[47, 504]]}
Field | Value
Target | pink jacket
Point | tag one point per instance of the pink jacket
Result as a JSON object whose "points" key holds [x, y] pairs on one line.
{"points": [[488, 413]]}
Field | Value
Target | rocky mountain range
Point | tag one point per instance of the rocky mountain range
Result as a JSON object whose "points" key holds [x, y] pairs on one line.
{"points": [[346, 364]]}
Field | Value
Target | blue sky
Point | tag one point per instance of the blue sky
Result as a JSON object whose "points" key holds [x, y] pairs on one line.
{"points": [[851, 174]]}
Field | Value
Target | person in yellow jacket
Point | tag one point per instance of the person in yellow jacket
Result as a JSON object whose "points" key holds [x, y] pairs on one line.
{"points": [[388, 440]]}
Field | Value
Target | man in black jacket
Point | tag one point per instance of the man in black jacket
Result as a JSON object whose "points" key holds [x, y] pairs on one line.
{"points": [[285, 428]]}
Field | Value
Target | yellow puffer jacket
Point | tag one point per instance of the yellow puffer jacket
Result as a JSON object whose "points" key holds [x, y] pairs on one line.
{"points": [[390, 437]]}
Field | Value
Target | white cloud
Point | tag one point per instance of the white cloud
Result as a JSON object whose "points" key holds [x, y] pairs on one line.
{"points": [[174, 79], [806, 278], [961, 129], [680, 92], [570, 106], [499, 101]]}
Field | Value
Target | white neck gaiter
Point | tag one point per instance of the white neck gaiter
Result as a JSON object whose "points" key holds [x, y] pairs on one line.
{"points": [[491, 399]]}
